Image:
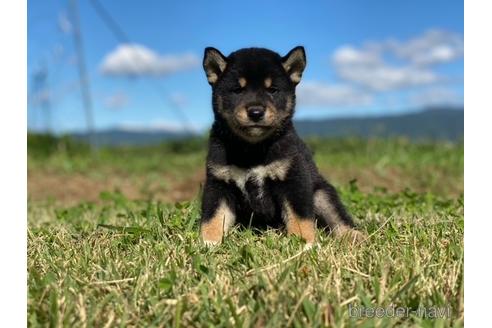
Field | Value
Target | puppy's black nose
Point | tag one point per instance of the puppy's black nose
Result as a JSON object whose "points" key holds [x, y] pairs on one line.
{"points": [[256, 113]]}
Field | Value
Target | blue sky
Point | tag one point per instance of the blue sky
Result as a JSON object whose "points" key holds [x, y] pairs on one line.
{"points": [[364, 57]]}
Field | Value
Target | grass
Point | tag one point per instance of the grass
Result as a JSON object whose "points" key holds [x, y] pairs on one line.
{"points": [[174, 171], [126, 262]]}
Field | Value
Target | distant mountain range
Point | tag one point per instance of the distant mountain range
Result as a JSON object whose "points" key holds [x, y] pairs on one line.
{"points": [[434, 124], [123, 137], [440, 124]]}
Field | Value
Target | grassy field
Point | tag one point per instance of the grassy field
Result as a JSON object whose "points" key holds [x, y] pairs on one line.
{"points": [[113, 241]]}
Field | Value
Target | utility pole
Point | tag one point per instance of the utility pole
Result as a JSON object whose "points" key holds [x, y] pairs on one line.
{"points": [[84, 79], [42, 95]]}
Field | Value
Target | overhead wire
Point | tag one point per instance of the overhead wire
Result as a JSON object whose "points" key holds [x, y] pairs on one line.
{"points": [[123, 37]]}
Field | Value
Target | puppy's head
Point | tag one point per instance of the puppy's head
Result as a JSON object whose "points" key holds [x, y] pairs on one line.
{"points": [[254, 89]]}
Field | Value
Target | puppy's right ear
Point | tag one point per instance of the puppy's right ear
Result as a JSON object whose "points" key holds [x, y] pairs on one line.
{"points": [[214, 64]]}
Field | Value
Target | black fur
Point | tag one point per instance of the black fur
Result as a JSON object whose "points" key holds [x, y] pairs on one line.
{"points": [[243, 145]]}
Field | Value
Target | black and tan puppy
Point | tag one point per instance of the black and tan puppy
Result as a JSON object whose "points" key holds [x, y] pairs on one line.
{"points": [[259, 172]]}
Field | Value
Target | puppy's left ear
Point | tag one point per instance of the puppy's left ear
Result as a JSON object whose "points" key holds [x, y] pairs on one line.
{"points": [[294, 63], [214, 64]]}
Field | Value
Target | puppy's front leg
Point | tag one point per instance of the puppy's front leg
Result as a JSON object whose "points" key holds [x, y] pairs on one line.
{"points": [[294, 195], [298, 225], [217, 214]]}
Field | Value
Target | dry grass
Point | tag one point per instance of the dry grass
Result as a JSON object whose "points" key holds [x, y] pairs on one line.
{"points": [[145, 267]]}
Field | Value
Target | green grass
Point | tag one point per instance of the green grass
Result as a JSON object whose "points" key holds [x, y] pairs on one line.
{"points": [[62, 156], [121, 262], [163, 276], [394, 164]]}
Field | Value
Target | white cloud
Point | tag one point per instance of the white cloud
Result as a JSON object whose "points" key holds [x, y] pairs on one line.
{"points": [[435, 97], [138, 60], [371, 66], [117, 100], [349, 55], [433, 47], [312, 93], [383, 77]]}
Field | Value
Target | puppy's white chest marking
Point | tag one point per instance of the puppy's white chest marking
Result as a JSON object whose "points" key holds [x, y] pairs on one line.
{"points": [[276, 170]]}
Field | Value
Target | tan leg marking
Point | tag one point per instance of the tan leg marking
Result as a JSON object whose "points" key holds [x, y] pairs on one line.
{"points": [[303, 227], [214, 229]]}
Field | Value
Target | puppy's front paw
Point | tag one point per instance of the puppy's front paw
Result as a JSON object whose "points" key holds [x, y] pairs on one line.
{"points": [[211, 243], [349, 235], [309, 246]]}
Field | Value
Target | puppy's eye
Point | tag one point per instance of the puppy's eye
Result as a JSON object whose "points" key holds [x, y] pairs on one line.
{"points": [[272, 90], [237, 90]]}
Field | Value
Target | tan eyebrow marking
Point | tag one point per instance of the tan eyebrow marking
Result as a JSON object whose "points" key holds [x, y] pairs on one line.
{"points": [[212, 77], [295, 77], [268, 82], [242, 82]]}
